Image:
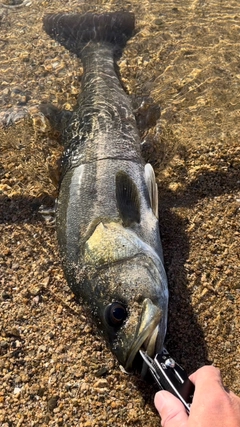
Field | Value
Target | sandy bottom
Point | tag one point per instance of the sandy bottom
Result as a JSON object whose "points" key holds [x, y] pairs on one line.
{"points": [[55, 368]]}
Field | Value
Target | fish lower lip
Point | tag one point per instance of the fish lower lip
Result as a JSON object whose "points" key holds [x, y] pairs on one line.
{"points": [[148, 332], [149, 346], [150, 343], [146, 342]]}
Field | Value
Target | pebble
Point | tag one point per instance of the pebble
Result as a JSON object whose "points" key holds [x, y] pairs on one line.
{"points": [[4, 345], [35, 290], [116, 404], [6, 295], [42, 348], [35, 300], [17, 390], [52, 403], [59, 309], [101, 383], [102, 371], [13, 332]]}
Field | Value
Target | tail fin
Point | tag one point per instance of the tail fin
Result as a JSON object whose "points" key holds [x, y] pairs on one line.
{"points": [[75, 31]]}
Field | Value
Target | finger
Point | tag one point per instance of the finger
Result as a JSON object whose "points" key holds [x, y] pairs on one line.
{"points": [[211, 377], [205, 373], [171, 410], [210, 396], [207, 378]]}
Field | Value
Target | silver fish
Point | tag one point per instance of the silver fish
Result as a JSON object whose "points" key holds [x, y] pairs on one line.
{"points": [[107, 213]]}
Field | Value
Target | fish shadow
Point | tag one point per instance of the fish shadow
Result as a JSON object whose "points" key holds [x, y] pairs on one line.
{"points": [[185, 337], [22, 209]]}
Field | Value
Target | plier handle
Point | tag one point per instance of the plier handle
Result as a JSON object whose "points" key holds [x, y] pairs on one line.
{"points": [[170, 376]]}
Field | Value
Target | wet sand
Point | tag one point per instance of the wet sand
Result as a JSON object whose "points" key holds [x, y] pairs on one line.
{"points": [[55, 367]]}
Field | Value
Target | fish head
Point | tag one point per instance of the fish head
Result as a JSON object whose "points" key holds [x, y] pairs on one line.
{"points": [[131, 304], [127, 292]]}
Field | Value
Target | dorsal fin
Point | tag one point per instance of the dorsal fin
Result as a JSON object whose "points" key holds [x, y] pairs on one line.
{"points": [[127, 196]]}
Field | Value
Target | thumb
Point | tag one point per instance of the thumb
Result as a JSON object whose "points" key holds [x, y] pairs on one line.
{"points": [[171, 410]]}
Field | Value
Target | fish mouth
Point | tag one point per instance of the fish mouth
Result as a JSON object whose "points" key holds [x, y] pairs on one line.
{"points": [[147, 333]]}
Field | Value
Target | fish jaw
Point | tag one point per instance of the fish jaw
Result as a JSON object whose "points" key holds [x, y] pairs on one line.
{"points": [[147, 332]]}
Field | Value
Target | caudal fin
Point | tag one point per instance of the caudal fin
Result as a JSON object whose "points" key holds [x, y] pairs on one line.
{"points": [[75, 31]]}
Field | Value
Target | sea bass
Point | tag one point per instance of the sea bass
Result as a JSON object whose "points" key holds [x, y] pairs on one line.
{"points": [[107, 210]]}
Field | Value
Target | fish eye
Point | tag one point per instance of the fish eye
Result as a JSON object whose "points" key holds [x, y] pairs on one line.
{"points": [[115, 314]]}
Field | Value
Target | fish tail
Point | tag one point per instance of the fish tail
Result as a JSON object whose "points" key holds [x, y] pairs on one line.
{"points": [[75, 31]]}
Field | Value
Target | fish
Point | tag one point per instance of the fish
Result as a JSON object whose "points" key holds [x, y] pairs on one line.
{"points": [[107, 208]]}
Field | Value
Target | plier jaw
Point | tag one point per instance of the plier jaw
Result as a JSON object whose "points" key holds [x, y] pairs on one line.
{"points": [[170, 376]]}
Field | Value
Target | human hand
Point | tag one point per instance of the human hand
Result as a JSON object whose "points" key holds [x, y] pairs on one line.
{"points": [[212, 405]]}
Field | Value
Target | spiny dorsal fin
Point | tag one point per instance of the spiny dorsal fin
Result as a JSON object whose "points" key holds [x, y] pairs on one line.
{"points": [[127, 199], [152, 188]]}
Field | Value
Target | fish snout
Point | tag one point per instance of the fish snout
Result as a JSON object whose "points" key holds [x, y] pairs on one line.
{"points": [[149, 335]]}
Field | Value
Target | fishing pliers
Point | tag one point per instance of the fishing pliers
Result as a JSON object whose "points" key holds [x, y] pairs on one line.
{"points": [[170, 376]]}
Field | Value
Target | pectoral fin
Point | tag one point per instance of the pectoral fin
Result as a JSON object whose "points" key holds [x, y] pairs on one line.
{"points": [[152, 188], [58, 118], [146, 111], [127, 199]]}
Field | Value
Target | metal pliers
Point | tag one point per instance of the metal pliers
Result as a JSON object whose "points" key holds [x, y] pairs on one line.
{"points": [[170, 376]]}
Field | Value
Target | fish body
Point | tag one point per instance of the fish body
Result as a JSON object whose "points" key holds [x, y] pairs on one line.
{"points": [[107, 211]]}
